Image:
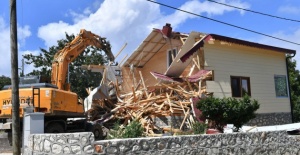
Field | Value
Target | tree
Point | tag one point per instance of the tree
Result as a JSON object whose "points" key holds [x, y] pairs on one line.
{"points": [[294, 76], [78, 78], [228, 111], [4, 81]]}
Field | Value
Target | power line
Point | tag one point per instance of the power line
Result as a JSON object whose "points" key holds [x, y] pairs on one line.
{"points": [[265, 14], [224, 23]]}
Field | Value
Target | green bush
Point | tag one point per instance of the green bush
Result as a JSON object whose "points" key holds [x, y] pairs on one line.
{"points": [[133, 130], [116, 131], [199, 128], [228, 111]]}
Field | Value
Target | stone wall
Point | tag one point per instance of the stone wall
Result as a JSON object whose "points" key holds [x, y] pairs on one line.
{"points": [[262, 119], [66, 143], [265, 119], [253, 143]]}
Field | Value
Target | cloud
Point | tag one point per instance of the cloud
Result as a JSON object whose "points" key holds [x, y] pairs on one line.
{"points": [[77, 17], [200, 8], [289, 10], [23, 33], [128, 21]]}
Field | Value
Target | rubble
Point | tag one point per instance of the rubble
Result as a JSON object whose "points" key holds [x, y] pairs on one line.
{"points": [[169, 97]]}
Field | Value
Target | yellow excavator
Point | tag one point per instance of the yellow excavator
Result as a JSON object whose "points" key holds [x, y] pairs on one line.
{"points": [[55, 99]]}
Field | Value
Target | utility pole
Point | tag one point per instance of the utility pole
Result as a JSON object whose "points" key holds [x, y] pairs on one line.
{"points": [[16, 132], [22, 68]]}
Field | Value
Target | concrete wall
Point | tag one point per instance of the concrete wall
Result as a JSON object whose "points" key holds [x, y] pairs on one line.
{"points": [[254, 143]]}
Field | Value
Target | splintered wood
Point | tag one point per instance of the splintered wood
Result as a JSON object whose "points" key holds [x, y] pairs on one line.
{"points": [[166, 99], [162, 100]]}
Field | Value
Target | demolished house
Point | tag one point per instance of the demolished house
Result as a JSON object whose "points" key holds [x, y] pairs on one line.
{"points": [[164, 77]]}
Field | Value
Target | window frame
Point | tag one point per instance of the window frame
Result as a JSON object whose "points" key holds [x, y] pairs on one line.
{"points": [[169, 57], [286, 86], [240, 85]]}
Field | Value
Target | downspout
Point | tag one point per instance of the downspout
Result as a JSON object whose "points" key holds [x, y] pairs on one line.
{"points": [[289, 86]]}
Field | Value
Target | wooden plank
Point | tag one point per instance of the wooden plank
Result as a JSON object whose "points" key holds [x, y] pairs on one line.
{"points": [[121, 62], [133, 93], [103, 78], [141, 76], [121, 50], [196, 63], [184, 119], [169, 101]]}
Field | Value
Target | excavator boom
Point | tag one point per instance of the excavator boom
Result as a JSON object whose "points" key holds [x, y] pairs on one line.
{"points": [[71, 51]]}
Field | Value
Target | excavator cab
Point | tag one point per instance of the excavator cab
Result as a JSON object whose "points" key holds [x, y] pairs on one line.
{"points": [[33, 79], [32, 82]]}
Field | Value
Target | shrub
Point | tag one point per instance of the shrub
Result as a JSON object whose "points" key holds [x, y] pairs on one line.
{"points": [[228, 111], [133, 130], [116, 131], [199, 128]]}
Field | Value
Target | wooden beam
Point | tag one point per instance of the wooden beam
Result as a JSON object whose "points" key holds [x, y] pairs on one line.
{"points": [[195, 62], [170, 104], [141, 76], [120, 64], [121, 50], [184, 119]]}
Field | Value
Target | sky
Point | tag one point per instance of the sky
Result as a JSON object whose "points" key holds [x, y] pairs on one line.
{"points": [[42, 23]]}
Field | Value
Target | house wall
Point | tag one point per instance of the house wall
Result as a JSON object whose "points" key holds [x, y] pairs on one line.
{"points": [[260, 65], [158, 63], [128, 79]]}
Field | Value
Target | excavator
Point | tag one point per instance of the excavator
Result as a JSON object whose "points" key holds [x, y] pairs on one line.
{"points": [[55, 99]]}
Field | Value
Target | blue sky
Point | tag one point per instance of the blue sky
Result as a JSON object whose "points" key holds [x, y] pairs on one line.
{"points": [[42, 23]]}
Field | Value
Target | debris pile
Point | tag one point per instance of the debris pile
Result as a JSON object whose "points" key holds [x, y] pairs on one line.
{"points": [[161, 100], [170, 97]]}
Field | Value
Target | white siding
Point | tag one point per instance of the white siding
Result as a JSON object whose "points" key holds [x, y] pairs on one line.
{"points": [[258, 64]]}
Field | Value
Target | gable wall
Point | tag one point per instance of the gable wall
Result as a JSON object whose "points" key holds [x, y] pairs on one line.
{"points": [[158, 63], [258, 64]]}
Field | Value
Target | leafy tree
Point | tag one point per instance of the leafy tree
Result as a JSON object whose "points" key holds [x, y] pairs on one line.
{"points": [[4, 81], [294, 76], [228, 111], [78, 78]]}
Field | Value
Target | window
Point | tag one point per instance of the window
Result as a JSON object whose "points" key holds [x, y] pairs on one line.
{"points": [[280, 86], [171, 55], [240, 86]]}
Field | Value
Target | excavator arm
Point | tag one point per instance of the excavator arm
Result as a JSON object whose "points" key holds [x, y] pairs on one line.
{"points": [[71, 51]]}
